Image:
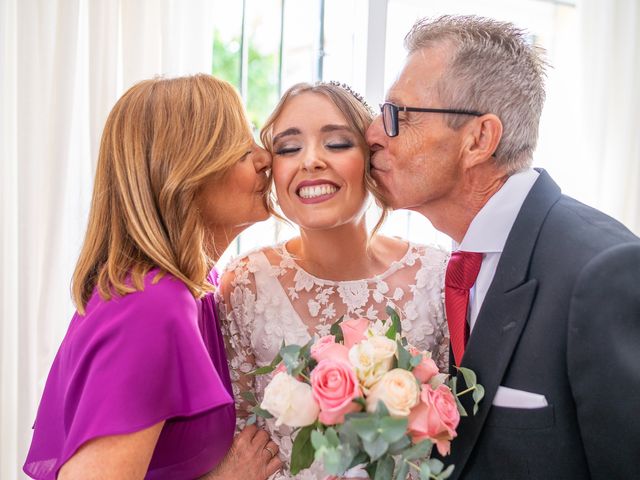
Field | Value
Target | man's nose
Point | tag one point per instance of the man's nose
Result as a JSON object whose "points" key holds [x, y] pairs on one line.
{"points": [[375, 136]]}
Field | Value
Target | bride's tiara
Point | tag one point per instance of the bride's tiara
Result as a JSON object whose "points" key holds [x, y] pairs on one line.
{"points": [[355, 94]]}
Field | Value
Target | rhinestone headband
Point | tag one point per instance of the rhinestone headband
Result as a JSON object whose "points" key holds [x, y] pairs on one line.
{"points": [[355, 94]]}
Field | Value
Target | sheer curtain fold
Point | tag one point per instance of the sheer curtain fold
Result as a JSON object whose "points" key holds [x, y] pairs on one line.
{"points": [[64, 64], [610, 41]]}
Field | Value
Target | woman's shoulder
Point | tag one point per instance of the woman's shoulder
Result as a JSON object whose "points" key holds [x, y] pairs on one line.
{"points": [[163, 301]]}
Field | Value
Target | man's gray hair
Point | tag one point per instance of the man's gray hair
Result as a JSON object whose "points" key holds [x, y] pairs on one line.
{"points": [[493, 69]]}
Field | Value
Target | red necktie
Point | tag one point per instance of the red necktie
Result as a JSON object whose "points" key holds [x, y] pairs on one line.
{"points": [[462, 271]]}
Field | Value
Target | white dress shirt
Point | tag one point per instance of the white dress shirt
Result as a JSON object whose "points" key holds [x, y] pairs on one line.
{"points": [[489, 230]]}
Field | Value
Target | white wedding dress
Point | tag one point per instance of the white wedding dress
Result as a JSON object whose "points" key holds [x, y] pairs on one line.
{"points": [[273, 299]]}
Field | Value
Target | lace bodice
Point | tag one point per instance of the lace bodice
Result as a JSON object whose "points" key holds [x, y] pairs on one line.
{"points": [[271, 299]]}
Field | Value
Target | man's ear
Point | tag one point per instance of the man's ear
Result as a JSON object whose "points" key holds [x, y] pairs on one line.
{"points": [[483, 135]]}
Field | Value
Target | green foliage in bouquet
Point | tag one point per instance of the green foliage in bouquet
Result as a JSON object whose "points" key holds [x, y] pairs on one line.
{"points": [[376, 440]]}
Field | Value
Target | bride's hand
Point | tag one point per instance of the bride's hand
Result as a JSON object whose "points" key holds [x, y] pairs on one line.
{"points": [[252, 456]]}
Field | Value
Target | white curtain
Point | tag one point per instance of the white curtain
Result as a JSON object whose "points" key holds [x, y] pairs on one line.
{"points": [[610, 42], [64, 63]]}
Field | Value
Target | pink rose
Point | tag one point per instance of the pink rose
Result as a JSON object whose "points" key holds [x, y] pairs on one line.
{"points": [[426, 369], [353, 331], [327, 348], [334, 385], [435, 418]]}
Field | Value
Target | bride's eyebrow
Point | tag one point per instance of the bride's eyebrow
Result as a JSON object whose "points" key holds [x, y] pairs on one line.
{"points": [[333, 128], [286, 133]]}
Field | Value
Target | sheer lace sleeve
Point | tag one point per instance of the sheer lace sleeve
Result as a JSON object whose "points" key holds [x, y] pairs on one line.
{"points": [[236, 301]]}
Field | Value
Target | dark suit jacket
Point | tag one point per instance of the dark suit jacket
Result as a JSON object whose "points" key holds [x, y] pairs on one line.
{"points": [[562, 319]]}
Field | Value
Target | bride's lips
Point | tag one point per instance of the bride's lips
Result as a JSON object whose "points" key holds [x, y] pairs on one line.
{"points": [[316, 191]]}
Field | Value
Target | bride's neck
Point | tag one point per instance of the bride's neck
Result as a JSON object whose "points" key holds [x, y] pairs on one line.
{"points": [[336, 254]]}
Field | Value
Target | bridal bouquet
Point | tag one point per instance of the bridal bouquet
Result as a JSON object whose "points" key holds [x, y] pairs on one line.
{"points": [[362, 396]]}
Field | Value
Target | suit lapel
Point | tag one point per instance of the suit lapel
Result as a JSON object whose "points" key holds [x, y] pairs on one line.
{"points": [[504, 313]]}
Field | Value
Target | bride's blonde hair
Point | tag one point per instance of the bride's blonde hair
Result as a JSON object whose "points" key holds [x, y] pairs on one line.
{"points": [[162, 140]]}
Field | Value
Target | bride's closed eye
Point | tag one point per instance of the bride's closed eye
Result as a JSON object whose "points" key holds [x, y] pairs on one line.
{"points": [[340, 145], [286, 149]]}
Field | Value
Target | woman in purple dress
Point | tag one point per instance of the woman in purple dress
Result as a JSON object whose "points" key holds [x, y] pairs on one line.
{"points": [[140, 386]]}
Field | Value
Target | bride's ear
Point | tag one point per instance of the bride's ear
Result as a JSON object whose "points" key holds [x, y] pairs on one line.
{"points": [[481, 139]]}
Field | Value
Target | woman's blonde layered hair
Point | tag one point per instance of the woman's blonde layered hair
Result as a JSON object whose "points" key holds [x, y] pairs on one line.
{"points": [[357, 115], [161, 141]]}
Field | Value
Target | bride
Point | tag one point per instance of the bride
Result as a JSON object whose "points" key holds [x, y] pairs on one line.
{"points": [[295, 290]]}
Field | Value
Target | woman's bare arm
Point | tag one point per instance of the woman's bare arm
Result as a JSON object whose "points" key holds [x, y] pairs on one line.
{"points": [[122, 457]]}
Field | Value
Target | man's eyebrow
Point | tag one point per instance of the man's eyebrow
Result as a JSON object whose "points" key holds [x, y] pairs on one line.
{"points": [[286, 133]]}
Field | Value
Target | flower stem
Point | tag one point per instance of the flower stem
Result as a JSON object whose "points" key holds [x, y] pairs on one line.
{"points": [[470, 389]]}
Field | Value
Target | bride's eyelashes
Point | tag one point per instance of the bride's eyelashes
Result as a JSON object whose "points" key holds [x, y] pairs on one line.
{"points": [[332, 145], [284, 150]]}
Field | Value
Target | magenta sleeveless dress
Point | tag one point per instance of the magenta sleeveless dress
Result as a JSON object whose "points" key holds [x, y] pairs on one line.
{"points": [[130, 363]]}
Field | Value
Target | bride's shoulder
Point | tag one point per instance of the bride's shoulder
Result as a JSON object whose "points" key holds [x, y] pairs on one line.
{"points": [[240, 270], [408, 251]]}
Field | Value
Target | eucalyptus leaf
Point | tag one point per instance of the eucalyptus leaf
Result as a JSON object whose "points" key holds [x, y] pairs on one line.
{"points": [[261, 412], [393, 429], [249, 397], [360, 458], [391, 332], [453, 385], [461, 409], [385, 469], [402, 471], [332, 437], [478, 395], [395, 319], [419, 450], [447, 472], [262, 370], [415, 360], [360, 401], [404, 357], [366, 428], [376, 448], [382, 410], [399, 446], [371, 469], [318, 440], [251, 419], [469, 376], [290, 357], [331, 461], [302, 452], [336, 330], [435, 465], [425, 471]]}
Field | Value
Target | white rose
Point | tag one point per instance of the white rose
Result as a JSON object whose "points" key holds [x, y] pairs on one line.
{"points": [[372, 358], [398, 390], [290, 401]]}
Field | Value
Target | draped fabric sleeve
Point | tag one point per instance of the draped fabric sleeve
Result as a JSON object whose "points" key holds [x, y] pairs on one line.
{"points": [[236, 303], [127, 364]]}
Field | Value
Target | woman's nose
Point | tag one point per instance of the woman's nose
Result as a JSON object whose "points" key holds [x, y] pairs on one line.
{"points": [[261, 159]]}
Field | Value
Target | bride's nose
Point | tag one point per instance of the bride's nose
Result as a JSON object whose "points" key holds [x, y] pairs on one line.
{"points": [[312, 159]]}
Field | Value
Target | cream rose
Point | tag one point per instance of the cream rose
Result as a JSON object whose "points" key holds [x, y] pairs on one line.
{"points": [[291, 402], [398, 390], [371, 359]]}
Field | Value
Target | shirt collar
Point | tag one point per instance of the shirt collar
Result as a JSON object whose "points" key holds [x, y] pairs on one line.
{"points": [[490, 227]]}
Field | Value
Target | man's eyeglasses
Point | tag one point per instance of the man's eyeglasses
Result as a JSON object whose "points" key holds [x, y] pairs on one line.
{"points": [[390, 115]]}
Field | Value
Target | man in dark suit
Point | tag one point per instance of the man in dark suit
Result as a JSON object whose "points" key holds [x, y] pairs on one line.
{"points": [[542, 292]]}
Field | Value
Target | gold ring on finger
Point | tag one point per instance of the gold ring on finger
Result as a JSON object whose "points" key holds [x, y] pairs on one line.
{"points": [[273, 454]]}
